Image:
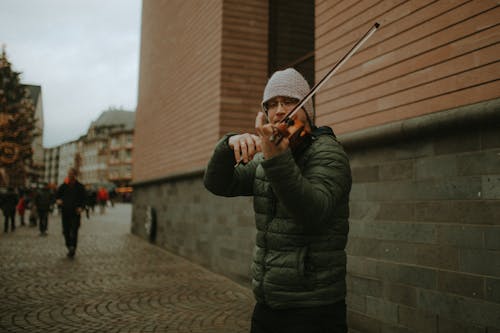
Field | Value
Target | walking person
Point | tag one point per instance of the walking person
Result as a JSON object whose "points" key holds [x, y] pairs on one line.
{"points": [[9, 202], [90, 200], [112, 196], [21, 208], [301, 202], [102, 199], [71, 198], [43, 202], [31, 205]]}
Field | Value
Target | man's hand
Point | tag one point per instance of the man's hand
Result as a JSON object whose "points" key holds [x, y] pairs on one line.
{"points": [[266, 132], [245, 146], [79, 210]]}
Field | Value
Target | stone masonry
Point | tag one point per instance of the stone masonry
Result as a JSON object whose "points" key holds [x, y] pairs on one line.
{"points": [[116, 283], [425, 233], [423, 250]]}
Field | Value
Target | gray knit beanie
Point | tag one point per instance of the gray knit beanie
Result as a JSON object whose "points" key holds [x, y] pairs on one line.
{"points": [[288, 83]]}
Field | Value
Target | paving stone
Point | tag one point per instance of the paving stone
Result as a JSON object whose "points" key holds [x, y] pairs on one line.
{"points": [[117, 282]]}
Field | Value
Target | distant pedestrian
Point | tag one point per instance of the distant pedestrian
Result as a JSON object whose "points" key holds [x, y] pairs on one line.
{"points": [[102, 199], [43, 202], [9, 202], [90, 200], [31, 205], [112, 197], [21, 208], [71, 198]]}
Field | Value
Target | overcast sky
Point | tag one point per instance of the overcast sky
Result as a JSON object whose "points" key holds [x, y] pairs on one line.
{"points": [[83, 53]]}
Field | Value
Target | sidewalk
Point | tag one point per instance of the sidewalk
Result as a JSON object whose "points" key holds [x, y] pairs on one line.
{"points": [[117, 282]]}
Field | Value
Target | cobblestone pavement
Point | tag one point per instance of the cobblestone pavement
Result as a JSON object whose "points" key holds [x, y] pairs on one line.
{"points": [[117, 282]]}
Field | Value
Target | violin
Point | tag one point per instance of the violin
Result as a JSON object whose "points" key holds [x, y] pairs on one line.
{"points": [[290, 126], [293, 129]]}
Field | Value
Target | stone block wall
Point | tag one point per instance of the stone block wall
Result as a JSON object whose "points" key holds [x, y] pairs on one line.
{"points": [[217, 233], [424, 242]]}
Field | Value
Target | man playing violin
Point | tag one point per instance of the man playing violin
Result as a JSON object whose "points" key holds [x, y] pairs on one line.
{"points": [[301, 187]]}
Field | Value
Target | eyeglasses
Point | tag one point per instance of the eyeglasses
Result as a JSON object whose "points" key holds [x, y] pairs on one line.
{"points": [[285, 102]]}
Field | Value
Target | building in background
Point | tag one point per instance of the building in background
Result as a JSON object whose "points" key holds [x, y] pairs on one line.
{"points": [[67, 153], [103, 155], [94, 154], [51, 163], [105, 148], [417, 108], [120, 155]]}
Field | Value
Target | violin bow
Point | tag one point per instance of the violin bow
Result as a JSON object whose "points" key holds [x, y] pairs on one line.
{"points": [[332, 71], [328, 75]]}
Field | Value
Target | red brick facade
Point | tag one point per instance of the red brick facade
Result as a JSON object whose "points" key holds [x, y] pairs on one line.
{"points": [[428, 56], [204, 65], [417, 109]]}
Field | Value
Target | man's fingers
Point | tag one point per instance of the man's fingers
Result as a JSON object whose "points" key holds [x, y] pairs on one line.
{"points": [[250, 146], [284, 143], [262, 127], [244, 150], [258, 142], [236, 150], [245, 146], [259, 122]]}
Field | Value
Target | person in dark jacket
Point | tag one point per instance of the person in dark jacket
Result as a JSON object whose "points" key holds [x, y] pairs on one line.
{"points": [[43, 202], [9, 203], [71, 198], [301, 203]]}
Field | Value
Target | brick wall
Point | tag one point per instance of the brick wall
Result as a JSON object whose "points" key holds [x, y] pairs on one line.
{"points": [[177, 116], [244, 64], [428, 56], [202, 69]]}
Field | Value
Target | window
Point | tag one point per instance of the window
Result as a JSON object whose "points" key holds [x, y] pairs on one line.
{"points": [[115, 156]]}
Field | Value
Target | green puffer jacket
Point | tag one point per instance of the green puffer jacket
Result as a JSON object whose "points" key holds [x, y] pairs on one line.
{"points": [[301, 204]]}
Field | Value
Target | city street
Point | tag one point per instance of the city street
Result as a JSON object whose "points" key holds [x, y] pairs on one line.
{"points": [[117, 282]]}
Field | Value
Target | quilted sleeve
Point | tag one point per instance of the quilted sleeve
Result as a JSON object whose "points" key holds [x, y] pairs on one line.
{"points": [[223, 178], [311, 194]]}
